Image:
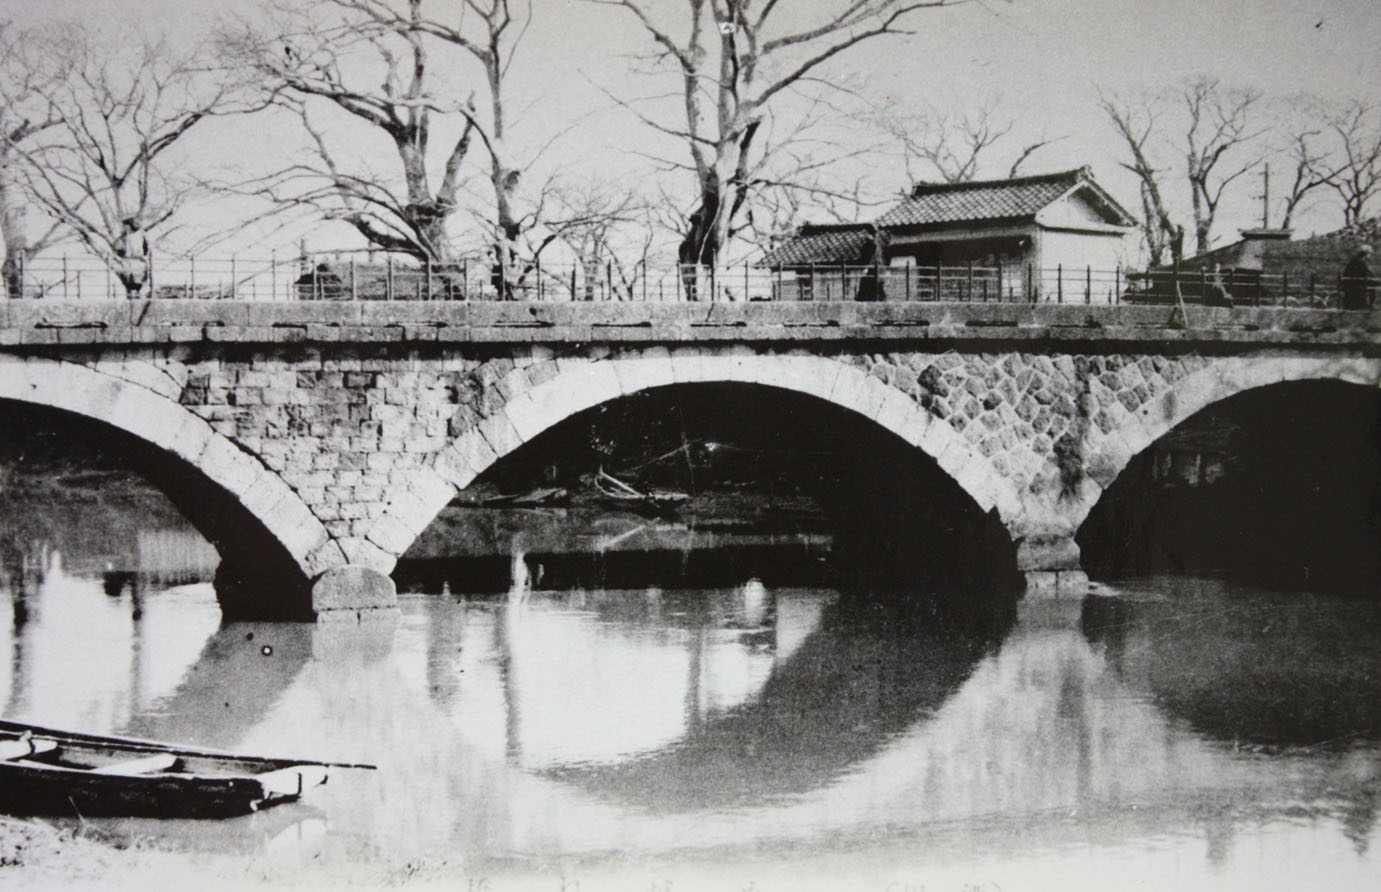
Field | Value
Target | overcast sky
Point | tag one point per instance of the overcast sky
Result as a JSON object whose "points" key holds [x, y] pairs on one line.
{"points": [[1048, 60]]}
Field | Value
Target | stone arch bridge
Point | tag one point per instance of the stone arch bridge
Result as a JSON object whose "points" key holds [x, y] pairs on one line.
{"points": [[340, 430]]}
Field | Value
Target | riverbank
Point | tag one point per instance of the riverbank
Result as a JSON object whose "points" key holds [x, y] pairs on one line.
{"points": [[35, 854], [38, 855]]}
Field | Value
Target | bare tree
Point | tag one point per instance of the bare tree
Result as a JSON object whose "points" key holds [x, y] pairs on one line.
{"points": [[1219, 148], [1137, 127], [604, 226], [1310, 172], [1298, 147], [608, 229], [778, 214], [25, 114], [493, 44], [409, 71], [1355, 174], [106, 169], [956, 146], [735, 60], [1329, 148], [370, 62], [1212, 128]]}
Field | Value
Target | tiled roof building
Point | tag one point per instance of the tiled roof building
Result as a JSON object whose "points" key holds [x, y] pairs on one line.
{"points": [[1023, 198], [847, 243], [1013, 238]]}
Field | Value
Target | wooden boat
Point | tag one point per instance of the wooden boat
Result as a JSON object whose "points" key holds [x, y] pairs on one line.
{"points": [[48, 772]]}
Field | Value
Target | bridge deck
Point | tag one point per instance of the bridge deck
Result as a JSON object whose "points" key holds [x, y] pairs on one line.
{"points": [[49, 323]]}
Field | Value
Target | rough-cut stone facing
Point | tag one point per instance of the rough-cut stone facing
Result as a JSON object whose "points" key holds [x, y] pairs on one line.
{"points": [[1032, 399], [316, 417], [355, 446]]}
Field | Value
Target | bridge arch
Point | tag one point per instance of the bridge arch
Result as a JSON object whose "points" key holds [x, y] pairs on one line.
{"points": [[158, 419], [1220, 380], [582, 384]]}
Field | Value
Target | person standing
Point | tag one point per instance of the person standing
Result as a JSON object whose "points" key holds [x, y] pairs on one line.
{"points": [[1216, 293], [1357, 282]]}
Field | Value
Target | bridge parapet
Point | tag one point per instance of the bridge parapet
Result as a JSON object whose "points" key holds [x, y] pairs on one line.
{"points": [[48, 323]]}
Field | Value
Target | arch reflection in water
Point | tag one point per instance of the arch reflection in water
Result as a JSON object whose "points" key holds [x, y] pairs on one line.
{"points": [[851, 679], [594, 677], [854, 729], [747, 725], [1244, 665], [153, 664]]}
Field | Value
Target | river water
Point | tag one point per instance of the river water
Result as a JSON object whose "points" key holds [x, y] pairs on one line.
{"points": [[759, 734]]}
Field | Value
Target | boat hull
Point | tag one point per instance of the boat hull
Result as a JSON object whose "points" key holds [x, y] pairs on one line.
{"points": [[52, 792], [58, 773]]}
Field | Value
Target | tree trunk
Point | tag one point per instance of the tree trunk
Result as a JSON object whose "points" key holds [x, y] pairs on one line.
{"points": [[701, 244], [16, 240], [425, 213], [133, 278], [504, 274], [429, 221], [13, 271], [695, 251], [1202, 229], [130, 263]]}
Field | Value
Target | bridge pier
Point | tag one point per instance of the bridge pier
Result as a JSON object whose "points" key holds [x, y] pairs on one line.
{"points": [[352, 588], [1051, 585], [1051, 565]]}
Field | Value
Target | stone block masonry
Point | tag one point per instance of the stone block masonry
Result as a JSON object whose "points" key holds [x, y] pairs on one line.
{"points": [[345, 448]]}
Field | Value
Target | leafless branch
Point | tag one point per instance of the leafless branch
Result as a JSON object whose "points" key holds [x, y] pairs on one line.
{"points": [[733, 65], [105, 168], [1136, 128], [955, 146], [1221, 124]]}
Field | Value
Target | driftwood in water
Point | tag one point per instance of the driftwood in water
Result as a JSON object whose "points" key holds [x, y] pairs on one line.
{"points": [[658, 501], [547, 496]]}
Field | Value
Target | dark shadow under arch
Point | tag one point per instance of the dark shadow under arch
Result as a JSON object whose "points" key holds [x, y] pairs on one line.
{"points": [[256, 579], [1280, 484], [898, 521]]}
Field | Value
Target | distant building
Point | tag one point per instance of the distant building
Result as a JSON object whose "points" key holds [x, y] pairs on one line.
{"points": [[1268, 266], [1037, 238]]}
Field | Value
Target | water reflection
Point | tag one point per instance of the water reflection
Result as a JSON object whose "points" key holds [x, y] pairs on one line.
{"points": [[852, 679], [599, 676], [1243, 664], [483, 551], [595, 730], [224, 693], [83, 659]]}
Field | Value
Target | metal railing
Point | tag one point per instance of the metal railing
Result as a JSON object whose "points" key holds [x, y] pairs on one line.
{"points": [[344, 277], [1303, 288], [82, 277]]}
